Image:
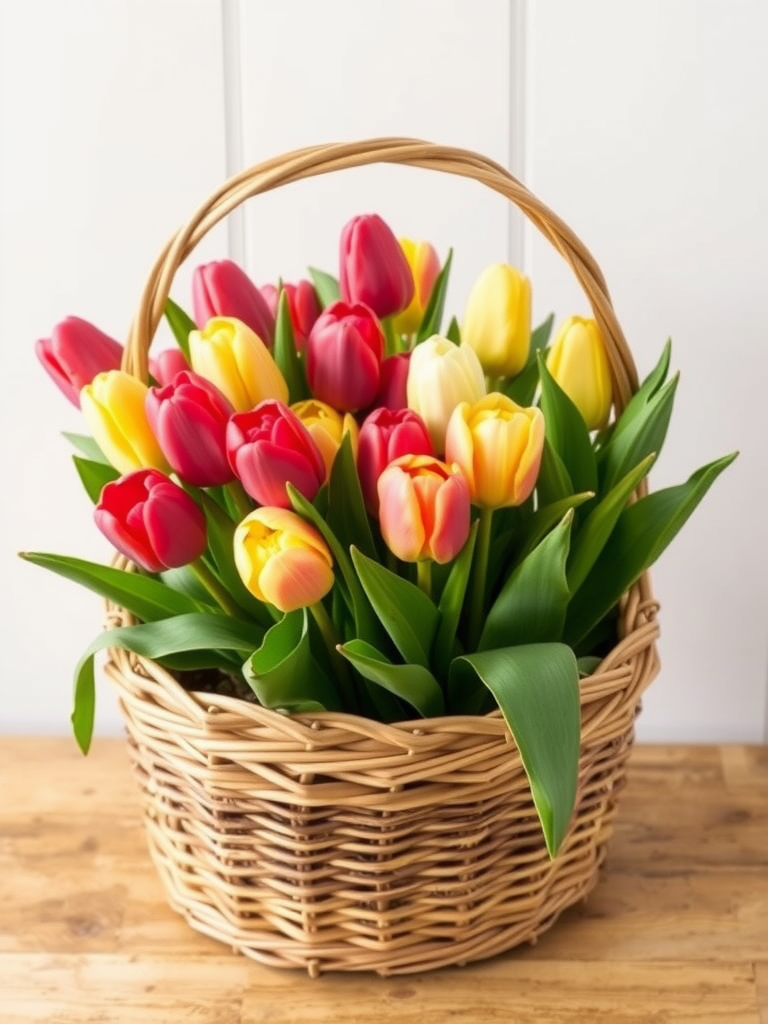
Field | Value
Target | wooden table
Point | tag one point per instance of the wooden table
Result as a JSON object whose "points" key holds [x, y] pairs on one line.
{"points": [[677, 930]]}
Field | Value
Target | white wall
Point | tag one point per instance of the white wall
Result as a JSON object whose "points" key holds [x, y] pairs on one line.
{"points": [[641, 122]]}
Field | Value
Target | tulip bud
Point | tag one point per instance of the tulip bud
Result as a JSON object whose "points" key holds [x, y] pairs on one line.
{"points": [[151, 520], [75, 352], [498, 445], [269, 447], [386, 435], [425, 267], [166, 364], [326, 427], [393, 382], [303, 308], [579, 364], [113, 405], [344, 354], [372, 266], [497, 320], [189, 420], [423, 509], [282, 559], [222, 289], [233, 358], [440, 376]]}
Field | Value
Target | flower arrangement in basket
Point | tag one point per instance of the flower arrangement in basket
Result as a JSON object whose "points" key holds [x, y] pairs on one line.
{"points": [[335, 504]]}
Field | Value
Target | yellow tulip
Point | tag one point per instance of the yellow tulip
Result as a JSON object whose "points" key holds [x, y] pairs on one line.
{"points": [[497, 320], [497, 444], [113, 407], [327, 427], [425, 266], [281, 559], [230, 355], [579, 364], [440, 375]]}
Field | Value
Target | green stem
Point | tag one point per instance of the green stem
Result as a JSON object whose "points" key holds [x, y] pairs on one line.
{"points": [[479, 576], [338, 662], [215, 588], [240, 500], [391, 340], [424, 576]]}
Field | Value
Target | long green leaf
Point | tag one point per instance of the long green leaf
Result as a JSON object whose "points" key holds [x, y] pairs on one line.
{"points": [[433, 314], [646, 391], [326, 286], [454, 331], [408, 616], [94, 476], [642, 532], [532, 604], [156, 640], [87, 446], [285, 354], [451, 604], [643, 435], [346, 509], [181, 324], [567, 432], [537, 689], [594, 532], [539, 523], [554, 483], [412, 683], [146, 598]]}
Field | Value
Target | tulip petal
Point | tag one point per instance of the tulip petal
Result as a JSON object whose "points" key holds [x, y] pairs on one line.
{"points": [[295, 578], [400, 515]]}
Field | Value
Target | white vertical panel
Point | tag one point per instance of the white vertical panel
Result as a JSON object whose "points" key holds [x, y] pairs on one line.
{"points": [[111, 133], [647, 132], [343, 70]]}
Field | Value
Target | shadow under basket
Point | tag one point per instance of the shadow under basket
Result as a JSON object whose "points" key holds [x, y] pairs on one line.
{"points": [[335, 843]]}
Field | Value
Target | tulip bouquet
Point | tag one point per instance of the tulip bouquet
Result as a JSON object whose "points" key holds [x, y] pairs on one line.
{"points": [[325, 500]]}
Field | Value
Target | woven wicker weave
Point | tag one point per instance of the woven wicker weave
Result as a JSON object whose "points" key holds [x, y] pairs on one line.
{"points": [[331, 842]]}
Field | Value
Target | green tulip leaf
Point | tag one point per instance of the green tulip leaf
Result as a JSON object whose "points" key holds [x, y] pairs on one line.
{"points": [[554, 482], [595, 530], [326, 286], [567, 432], [87, 446], [433, 314], [94, 476], [346, 509], [409, 617], [414, 684], [285, 354], [536, 686], [186, 582], [533, 601], [588, 664], [452, 603], [642, 532], [181, 324], [183, 633], [454, 331], [644, 434], [533, 529], [283, 672], [645, 392]]}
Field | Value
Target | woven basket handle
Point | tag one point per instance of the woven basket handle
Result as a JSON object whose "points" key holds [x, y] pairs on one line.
{"points": [[305, 163]]}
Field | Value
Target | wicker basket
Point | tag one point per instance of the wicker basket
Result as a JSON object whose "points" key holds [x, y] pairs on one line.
{"points": [[334, 843]]}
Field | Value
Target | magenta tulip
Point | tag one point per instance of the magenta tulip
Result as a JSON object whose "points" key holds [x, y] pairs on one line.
{"points": [[303, 308], [166, 364], [344, 353], [189, 419], [151, 520], [393, 382], [385, 435], [269, 447], [373, 267], [75, 353], [221, 288]]}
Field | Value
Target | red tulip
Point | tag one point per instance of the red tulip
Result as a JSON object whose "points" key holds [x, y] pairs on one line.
{"points": [[75, 352], [393, 381], [189, 420], [303, 308], [166, 364], [151, 520], [372, 266], [269, 447], [384, 436], [223, 289], [344, 353]]}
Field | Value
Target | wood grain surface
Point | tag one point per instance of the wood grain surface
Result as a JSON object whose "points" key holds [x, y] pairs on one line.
{"points": [[677, 929]]}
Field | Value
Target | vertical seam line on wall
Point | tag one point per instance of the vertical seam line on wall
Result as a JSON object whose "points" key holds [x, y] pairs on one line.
{"points": [[517, 226], [233, 119]]}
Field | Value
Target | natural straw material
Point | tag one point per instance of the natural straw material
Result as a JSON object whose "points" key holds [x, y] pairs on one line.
{"points": [[332, 842]]}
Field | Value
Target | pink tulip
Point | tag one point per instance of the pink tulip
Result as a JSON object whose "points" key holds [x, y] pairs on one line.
{"points": [[373, 267], [386, 435], [269, 447], [223, 289], [344, 354], [189, 419], [393, 382], [166, 364], [423, 509], [75, 353], [151, 520], [303, 308]]}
